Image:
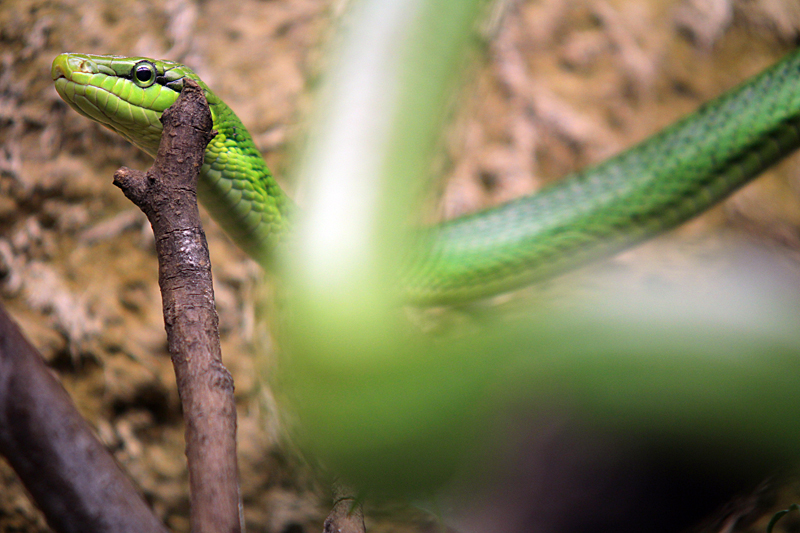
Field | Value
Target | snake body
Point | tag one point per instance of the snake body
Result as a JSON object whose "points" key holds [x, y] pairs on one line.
{"points": [[653, 186]]}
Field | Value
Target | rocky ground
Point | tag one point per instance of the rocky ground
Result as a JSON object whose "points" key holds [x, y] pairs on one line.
{"points": [[564, 84]]}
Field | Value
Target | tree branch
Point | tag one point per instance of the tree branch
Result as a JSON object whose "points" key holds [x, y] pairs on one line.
{"points": [[68, 472], [167, 194]]}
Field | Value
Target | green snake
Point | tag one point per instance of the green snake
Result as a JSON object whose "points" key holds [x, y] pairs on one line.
{"points": [[653, 186]]}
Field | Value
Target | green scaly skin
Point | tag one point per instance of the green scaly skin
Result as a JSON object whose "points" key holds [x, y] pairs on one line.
{"points": [[654, 186]]}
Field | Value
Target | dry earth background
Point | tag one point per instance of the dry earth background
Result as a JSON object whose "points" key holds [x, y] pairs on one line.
{"points": [[564, 84]]}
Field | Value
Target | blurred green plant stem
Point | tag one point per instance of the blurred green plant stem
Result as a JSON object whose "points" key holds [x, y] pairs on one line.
{"points": [[395, 410]]}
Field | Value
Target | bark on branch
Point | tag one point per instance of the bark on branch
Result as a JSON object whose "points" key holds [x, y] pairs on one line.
{"points": [[68, 472], [167, 194]]}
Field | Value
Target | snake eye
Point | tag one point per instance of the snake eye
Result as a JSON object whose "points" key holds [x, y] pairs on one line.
{"points": [[143, 74]]}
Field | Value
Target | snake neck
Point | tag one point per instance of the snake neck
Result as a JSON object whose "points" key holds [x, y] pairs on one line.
{"points": [[238, 189]]}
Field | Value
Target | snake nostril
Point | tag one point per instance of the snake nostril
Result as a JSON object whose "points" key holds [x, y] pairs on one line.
{"points": [[82, 64]]}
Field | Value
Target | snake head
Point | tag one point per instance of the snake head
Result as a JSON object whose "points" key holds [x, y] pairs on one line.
{"points": [[124, 94]]}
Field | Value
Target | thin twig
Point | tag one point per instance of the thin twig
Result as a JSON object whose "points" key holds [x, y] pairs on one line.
{"points": [[347, 515]]}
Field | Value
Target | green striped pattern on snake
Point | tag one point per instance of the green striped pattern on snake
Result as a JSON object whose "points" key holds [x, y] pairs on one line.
{"points": [[655, 185]]}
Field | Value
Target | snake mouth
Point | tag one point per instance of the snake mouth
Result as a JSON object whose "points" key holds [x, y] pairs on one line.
{"points": [[63, 67], [59, 69], [68, 66]]}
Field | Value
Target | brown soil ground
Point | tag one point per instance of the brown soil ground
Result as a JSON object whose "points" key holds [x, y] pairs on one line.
{"points": [[565, 84]]}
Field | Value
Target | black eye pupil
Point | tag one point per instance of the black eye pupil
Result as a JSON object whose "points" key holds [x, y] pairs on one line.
{"points": [[144, 74]]}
